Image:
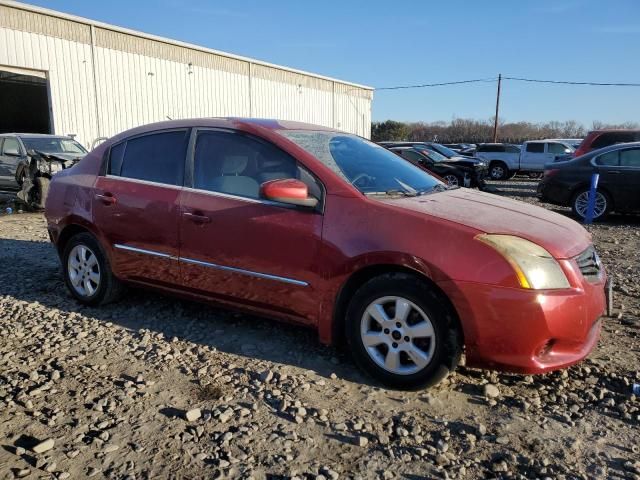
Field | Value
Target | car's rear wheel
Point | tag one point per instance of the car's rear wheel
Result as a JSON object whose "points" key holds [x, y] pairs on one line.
{"points": [[498, 170], [87, 272], [452, 180], [401, 333], [601, 207]]}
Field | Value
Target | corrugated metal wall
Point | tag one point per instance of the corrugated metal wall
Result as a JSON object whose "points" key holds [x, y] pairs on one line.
{"points": [[140, 80]]}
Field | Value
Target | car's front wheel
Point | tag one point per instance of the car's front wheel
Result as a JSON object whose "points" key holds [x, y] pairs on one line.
{"points": [[401, 333], [580, 204], [453, 180], [87, 272]]}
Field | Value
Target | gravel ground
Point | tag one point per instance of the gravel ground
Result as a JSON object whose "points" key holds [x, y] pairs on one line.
{"points": [[154, 387]]}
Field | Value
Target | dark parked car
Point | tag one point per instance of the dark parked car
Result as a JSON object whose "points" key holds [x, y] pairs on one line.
{"points": [[455, 173], [597, 139], [567, 183], [326, 229], [28, 161], [464, 149]]}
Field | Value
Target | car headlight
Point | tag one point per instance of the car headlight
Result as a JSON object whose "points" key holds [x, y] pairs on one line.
{"points": [[534, 267]]}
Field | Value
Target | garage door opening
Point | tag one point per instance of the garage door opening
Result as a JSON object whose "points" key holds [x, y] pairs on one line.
{"points": [[24, 101]]}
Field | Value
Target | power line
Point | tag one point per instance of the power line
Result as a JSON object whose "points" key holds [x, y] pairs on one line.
{"points": [[517, 79], [564, 82], [425, 85]]}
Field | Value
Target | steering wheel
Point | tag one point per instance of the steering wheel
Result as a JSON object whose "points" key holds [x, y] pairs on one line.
{"points": [[361, 176]]}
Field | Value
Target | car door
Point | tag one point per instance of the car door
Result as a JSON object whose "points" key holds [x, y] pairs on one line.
{"points": [[533, 156], [627, 181], [555, 151], [10, 155], [136, 205], [239, 248]]}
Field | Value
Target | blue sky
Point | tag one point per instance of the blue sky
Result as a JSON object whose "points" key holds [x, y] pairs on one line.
{"points": [[387, 43]]}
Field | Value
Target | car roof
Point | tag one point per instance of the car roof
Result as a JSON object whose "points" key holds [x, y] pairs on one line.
{"points": [[222, 122], [606, 130], [611, 148]]}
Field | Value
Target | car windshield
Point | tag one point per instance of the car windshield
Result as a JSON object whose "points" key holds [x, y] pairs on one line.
{"points": [[53, 145], [447, 152], [372, 169], [433, 155]]}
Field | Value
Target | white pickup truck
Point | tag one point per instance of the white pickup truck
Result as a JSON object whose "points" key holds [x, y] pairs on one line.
{"points": [[505, 160]]}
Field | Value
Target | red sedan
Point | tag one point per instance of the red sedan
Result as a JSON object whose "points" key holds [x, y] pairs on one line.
{"points": [[329, 230]]}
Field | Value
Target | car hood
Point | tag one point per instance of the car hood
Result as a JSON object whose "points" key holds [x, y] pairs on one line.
{"points": [[488, 213]]}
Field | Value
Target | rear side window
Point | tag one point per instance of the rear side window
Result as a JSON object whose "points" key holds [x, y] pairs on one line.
{"points": [[158, 157], [535, 147], [609, 159], [491, 148], [630, 158], [413, 157]]}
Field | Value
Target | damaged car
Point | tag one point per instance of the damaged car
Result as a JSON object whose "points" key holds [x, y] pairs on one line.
{"points": [[29, 161]]}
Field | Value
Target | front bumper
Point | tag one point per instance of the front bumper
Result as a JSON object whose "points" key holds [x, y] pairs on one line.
{"points": [[527, 331]]}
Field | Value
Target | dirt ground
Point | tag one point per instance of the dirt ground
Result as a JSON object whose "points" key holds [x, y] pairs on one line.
{"points": [[105, 392]]}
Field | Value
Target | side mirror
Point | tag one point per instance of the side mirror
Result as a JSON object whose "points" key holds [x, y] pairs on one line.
{"points": [[290, 190], [11, 152]]}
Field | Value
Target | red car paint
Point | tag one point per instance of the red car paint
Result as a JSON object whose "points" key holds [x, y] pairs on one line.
{"points": [[504, 325]]}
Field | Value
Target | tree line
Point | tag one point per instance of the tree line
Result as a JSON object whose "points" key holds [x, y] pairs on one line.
{"points": [[461, 130]]}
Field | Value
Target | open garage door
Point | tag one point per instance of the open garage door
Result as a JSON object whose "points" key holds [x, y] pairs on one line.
{"points": [[24, 101]]}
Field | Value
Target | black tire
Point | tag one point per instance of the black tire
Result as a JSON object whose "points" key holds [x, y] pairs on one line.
{"points": [[579, 212], [498, 170], [448, 338], [109, 287], [40, 191]]}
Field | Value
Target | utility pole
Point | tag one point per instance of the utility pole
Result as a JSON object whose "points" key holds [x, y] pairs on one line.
{"points": [[495, 122]]}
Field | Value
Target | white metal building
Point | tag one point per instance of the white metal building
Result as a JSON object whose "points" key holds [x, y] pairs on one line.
{"points": [[68, 75]]}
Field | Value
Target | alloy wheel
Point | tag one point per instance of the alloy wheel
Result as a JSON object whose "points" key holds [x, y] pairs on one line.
{"points": [[497, 172], [582, 204], [84, 270], [451, 180], [397, 335]]}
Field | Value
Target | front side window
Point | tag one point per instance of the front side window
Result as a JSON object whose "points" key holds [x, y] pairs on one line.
{"points": [[630, 158], [156, 157], [237, 164], [512, 149], [557, 148], [371, 168], [535, 147]]}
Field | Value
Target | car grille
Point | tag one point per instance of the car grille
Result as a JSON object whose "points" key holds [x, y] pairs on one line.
{"points": [[589, 264]]}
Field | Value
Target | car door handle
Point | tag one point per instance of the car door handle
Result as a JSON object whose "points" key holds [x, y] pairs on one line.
{"points": [[613, 172], [106, 198], [196, 218]]}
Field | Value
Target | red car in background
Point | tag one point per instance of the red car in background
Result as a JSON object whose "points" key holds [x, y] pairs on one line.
{"points": [[597, 139], [326, 229]]}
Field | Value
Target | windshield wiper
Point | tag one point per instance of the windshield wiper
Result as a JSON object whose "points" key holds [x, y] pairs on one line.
{"points": [[392, 192], [435, 189]]}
